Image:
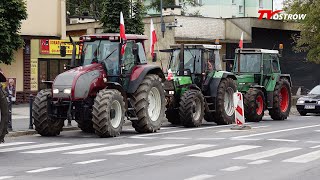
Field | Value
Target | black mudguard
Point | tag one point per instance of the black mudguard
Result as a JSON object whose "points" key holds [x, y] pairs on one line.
{"points": [[2, 77], [147, 69]]}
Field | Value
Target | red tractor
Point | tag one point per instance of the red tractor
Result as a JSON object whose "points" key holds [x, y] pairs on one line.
{"points": [[4, 111], [104, 89]]}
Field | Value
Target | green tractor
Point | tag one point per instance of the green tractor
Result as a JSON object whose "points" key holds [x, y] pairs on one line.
{"points": [[197, 88], [259, 78]]}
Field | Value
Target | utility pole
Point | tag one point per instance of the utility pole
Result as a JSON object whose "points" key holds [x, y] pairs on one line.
{"points": [[163, 25]]}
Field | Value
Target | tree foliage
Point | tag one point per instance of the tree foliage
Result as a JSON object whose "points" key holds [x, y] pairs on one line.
{"points": [[309, 38], [12, 12], [111, 16], [78, 7], [155, 4]]}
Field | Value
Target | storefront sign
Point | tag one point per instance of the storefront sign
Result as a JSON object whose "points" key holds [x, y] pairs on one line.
{"points": [[51, 46], [34, 75]]}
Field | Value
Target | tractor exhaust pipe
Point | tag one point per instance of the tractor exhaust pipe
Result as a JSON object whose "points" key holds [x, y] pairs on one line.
{"points": [[181, 67], [74, 51]]}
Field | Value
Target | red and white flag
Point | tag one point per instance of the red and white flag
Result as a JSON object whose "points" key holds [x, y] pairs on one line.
{"points": [[153, 38], [123, 37], [241, 41]]}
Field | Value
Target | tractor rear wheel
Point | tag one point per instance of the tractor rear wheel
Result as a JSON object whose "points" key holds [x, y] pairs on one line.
{"points": [[281, 100], [4, 115], [225, 108], [191, 108], [173, 116], [254, 105], [108, 113], [149, 103], [44, 124]]}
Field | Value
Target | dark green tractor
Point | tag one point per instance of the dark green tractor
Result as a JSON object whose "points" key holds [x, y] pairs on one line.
{"points": [[197, 88], [259, 78]]}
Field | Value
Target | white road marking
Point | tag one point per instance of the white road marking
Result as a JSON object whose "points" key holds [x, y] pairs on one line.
{"points": [[184, 130], [257, 127], [19, 148], [268, 153], [6, 177], [278, 131], [90, 161], [146, 149], [304, 158], [233, 168], [43, 169], [313, 142], [208, 139], [224, 151], [283, 140], [138, 137], [176, 138], [317, 130], [315, 147], [64, 148], [14, 143], [200, 177], [230, 130], [107, 148], [244, 139], [181, 150], [259, 162]]}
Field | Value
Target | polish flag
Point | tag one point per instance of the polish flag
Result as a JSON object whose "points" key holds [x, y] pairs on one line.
{"points": [[241, 41], [153, 38], [123, 37]]}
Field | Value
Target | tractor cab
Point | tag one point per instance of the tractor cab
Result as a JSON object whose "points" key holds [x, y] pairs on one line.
{"points": [[256, 67]]}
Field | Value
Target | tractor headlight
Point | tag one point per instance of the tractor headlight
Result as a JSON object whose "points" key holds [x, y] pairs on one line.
{"points": [[55, 91], [171, 92], [67, 91], [318, 102], [300, 102]]}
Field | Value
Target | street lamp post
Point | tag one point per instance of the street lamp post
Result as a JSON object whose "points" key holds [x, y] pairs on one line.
{"points": [[163, 25]]}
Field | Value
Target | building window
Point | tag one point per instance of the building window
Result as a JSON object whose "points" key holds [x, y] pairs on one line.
{"points": [[240, 9], [260, 3], [233, 1]]}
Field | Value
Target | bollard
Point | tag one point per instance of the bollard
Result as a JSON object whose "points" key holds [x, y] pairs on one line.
{"points": [[31, 103], [10, 115]]}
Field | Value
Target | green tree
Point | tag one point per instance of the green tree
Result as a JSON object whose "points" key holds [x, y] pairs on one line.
{"points": [[309, 38], [155, 4], [12, 12], [137, 19], [78, 7]]}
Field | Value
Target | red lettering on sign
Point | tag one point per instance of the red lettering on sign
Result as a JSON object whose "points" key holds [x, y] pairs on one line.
{"points": [[269, 13]]}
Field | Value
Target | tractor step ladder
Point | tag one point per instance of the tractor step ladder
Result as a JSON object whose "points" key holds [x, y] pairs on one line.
{"points": [[210, 103]]}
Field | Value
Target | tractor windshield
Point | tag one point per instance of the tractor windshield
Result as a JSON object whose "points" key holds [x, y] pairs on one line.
{"points": [[191, 60], [249, 63], [101, 51]]}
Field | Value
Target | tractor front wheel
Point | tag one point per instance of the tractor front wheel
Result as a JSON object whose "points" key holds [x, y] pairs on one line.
{"points": [[4, 112], [281, 100], [191, 108], [254, 105], [108, 113], [149, 102], [225, 108], [44, 124]]}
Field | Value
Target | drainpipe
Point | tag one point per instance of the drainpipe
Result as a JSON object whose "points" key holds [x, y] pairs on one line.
{"points": [[63, 13], [244, 8]]}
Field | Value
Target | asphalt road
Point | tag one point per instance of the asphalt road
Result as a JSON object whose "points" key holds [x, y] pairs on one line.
{"points": [[285, 150]]}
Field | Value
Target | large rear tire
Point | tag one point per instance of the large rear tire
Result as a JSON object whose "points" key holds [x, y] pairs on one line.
{"points": [[149, 102], [281, 100], [173, 116], [254, 105], [108, 113], [225, 109], [44, 124], [4, 115], [191, 108]]}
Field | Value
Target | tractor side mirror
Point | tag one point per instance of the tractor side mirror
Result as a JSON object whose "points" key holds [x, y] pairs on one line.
{"points": [[186, 72], [63, 51], [154, 57]]}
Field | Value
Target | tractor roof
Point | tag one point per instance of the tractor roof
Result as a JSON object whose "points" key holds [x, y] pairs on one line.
{"points": [[115, 36], [255, 50], [192, 46]]}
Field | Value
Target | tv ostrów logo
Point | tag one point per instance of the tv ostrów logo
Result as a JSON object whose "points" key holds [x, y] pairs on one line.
{"points": [[280, 16]]}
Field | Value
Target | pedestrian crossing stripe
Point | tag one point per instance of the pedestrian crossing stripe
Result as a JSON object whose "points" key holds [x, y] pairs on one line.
{"points": [[203, 150]]}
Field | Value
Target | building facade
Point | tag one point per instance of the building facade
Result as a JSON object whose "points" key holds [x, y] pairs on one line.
{"points": [[46, 20]]}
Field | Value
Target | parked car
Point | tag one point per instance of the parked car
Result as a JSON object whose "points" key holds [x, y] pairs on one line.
{"points": [[309, 103]]}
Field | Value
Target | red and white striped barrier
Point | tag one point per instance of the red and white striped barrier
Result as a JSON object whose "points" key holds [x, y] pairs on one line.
{"points": [[239, 110]]}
